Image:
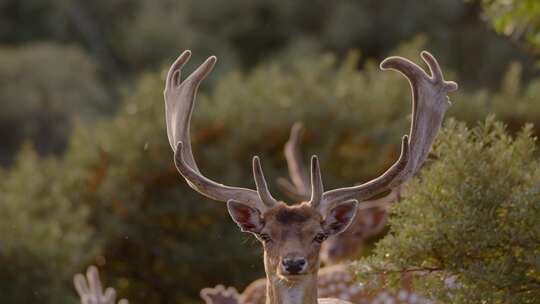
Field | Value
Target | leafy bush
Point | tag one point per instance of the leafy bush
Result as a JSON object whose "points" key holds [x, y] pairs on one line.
{"points": [[517, 19], [45, 232], [515, 102], [130, 36], [472, 216], [43, 88]]}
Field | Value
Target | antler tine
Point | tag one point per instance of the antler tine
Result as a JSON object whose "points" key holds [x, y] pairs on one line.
{"points": [[317, 188], [179, 102], [429, 104], [299, 189], [436, 72], [260, 182]]}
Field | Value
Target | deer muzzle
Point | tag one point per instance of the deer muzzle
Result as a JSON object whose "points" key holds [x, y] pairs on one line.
{"points": [[293, 266]]}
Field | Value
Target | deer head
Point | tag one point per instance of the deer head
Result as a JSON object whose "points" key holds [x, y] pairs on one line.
{"points": [[292, 235], [370, 217]]}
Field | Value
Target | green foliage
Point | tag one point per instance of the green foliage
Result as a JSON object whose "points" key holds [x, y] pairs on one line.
{"points": [[129, 36], [519, 19], [43, 87], [45, 232], [515, 102], [471, 216], [114, 198], [125, 38], [139, 212]]}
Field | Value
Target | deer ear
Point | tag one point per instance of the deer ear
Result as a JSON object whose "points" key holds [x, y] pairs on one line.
{"points": [[340, 217], [247, 218], [375, 221]]}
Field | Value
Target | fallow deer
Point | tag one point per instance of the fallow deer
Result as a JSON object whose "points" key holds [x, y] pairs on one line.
{"points": [[333, 281], [369, 221], [292, 235]]}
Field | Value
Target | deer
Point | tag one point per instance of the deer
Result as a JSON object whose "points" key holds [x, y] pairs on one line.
{"points": [[90, 289], [369, 221], [292, 235]]}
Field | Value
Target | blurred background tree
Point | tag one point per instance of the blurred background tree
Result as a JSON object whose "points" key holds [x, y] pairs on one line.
{"points": [[125, 38], [82, 81], [43, 87]]}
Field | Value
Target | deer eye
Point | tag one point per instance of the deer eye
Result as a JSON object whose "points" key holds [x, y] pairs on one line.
{"points": [[265, 238], [319, 238]]}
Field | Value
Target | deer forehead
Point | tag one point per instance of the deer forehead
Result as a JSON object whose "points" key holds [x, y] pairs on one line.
{"points": [[298, 218]]}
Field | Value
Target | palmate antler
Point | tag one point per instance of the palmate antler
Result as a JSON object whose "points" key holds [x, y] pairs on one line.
{"points": [[425, 123], [179, 101], [430, 103]]}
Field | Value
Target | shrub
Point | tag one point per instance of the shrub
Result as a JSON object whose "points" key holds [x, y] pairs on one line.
{"points": [[472, 216], [46, 236], [158, 240], [43, 88]]}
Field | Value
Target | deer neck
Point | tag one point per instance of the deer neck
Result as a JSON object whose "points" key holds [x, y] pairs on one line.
{"points": [[301, 290]]}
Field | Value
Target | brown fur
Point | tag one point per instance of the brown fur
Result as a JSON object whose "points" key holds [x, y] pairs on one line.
{"points": [[285, 216], [296, 214]]}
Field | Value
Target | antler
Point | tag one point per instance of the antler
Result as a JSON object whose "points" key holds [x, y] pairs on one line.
{"points": [[90, 290], [299, 190], [430, 103], [179, 102]]}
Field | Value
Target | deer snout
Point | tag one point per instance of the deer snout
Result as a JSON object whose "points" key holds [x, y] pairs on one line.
{"points": [[293, 265]]}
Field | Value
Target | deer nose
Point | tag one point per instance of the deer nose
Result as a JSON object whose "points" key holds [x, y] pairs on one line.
{"points": [[294, 265]]}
